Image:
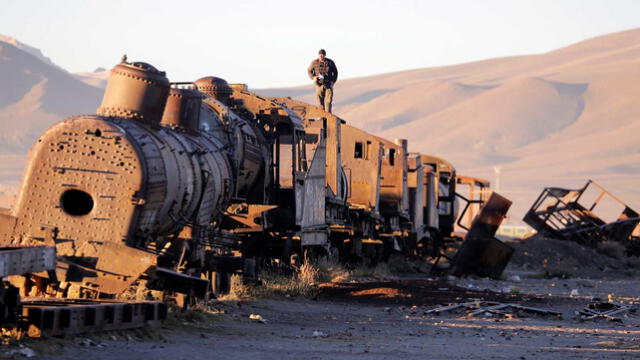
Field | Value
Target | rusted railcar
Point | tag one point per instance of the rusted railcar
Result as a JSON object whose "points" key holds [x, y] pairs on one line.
{"points": [[173, 186]]}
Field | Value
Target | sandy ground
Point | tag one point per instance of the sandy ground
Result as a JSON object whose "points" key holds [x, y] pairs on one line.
{"points": [[382, 320], [388, 319]]}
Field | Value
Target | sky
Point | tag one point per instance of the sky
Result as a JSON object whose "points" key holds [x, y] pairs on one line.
{"points": [[271, 43]]}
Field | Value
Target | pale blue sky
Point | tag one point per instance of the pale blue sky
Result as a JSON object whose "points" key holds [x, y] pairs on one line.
{"points": [[270, 43]]}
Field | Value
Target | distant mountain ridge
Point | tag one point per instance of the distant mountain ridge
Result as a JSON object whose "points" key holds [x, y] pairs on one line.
{"points": [[556, 118], [34, 94], [28, 49]]}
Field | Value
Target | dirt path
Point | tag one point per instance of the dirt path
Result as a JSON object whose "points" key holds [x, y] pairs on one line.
{"points": [[375, 320]]}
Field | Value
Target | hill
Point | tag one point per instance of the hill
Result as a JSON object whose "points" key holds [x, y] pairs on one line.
{"points": [[34, 94], [552, 119]]}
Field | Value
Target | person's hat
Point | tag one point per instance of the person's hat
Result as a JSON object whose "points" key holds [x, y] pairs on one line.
{"points": [[321, 51]]}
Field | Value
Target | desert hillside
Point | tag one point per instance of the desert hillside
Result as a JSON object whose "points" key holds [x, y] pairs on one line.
{"points": [[557, 118], [552, 119], [34, 94]]}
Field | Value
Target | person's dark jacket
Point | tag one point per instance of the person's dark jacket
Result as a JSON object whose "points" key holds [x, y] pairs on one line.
{"points": [[327, 69]]}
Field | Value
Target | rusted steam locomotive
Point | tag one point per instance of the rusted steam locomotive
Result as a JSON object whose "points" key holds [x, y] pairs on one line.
{"points": [[176, 184]]}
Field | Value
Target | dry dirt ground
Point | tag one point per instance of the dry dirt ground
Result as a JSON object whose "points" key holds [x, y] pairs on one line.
{"points": [[388, 319]]}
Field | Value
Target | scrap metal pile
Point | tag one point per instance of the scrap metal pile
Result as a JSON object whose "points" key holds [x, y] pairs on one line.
{"points": [[580, 215], [174, 186], [491, 308]]}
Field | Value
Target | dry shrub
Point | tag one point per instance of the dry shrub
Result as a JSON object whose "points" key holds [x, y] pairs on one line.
{"points": [[329, 270], [275, 281], [307, 273], [239, 291]]}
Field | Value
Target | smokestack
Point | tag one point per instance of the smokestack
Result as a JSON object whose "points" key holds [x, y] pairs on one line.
{"points": [[135, 91]]}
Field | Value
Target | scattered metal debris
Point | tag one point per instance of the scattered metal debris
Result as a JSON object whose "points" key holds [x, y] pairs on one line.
{"points": [[319, 334], [571, 215], [604, 310], [490, 308], [258, 318]]}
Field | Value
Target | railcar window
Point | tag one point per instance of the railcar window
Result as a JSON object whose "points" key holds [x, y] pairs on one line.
{"points": [[368, 151], [392, 157], [358, 151], [311, 138]]}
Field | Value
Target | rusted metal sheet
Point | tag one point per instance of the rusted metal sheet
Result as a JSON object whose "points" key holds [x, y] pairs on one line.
{"points": [[431, 218], [315, 119], [416, 194], [167, 279], [7, 226], [314, 229], [445, 186], [392, 174], [481, 253], [362, 159], [475, 192], [56, 317], [16, 261], [19, 261], [581, 215]]}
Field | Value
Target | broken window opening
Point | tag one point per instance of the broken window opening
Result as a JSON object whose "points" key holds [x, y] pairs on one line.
{"points": [[358, 151], [392, 157]]}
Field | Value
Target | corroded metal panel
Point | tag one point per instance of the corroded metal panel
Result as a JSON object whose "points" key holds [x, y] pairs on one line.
{"points": [[391, 184], [18, 261], [481, 253], [362, 159], [314, 117], [314, 228], [405, 169], [431, 218], [49, 317], [416, 189]]}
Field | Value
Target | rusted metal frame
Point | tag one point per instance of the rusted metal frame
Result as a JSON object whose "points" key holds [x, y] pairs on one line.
{"points": [[55, 317], [468, 203], [568, 221], [310, 114], [605, 191], [483, 192], [168, 279], [314, 229], [554, 212]]}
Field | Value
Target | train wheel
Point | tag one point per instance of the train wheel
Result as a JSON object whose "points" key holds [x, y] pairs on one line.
{"points": [[287, 249], [220, 283], [371, 254], [356, 250]]}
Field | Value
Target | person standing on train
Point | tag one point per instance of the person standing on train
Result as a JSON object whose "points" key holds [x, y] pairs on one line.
{"points": [[324, 73]]}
